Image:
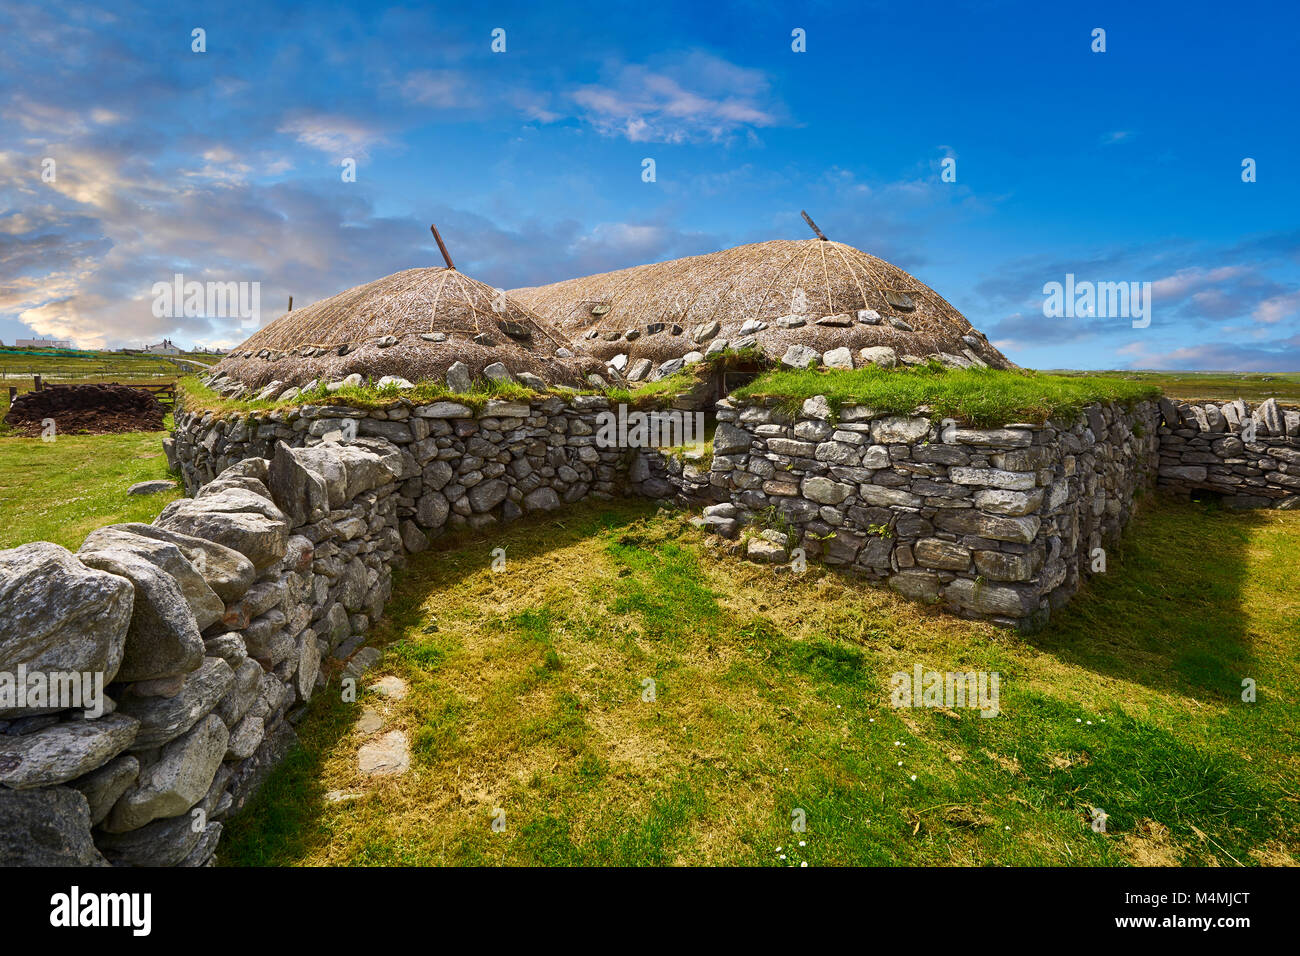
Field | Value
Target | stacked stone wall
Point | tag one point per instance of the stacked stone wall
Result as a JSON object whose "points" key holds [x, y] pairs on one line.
{"points": [[1250, 456], [459, 467], [1000, 523], [205, 631]]}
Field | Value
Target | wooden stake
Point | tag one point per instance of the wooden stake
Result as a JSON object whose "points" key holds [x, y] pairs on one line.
{"points": [[442, 247], [808, 219], [290, 303]]}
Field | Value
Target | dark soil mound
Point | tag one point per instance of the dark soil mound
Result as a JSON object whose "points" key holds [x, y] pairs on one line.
{"points": [[86, 409]]}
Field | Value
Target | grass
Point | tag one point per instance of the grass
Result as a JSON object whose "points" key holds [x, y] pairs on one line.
{"points": [[368, 396], [979, 397], [662, 391], [1215, 386], [648, 395], [17, 366], [625, 695], [195, 395], [62, 490]]}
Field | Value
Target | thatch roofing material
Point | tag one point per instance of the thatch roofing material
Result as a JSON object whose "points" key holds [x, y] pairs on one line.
{"points": [[414, 324], [762, 282]]}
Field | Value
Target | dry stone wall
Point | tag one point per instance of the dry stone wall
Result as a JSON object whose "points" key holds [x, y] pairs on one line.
{"points": [[999, 524], [458, 467], [1249, 456], [205, 632]]}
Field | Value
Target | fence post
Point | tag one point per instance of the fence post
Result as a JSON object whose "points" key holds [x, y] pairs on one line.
{"points": [[37, 379]]}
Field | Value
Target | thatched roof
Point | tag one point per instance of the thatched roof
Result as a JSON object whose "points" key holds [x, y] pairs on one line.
{"points": [[810, 292], [413, 324]]}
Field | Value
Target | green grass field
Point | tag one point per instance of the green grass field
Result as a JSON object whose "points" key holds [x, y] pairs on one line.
{"points": [[18, 366], [1215, 386], [62, 490], [527, 699]]}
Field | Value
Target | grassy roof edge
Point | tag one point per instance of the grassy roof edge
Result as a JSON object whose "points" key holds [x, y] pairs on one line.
{"points": [[978, 397]]}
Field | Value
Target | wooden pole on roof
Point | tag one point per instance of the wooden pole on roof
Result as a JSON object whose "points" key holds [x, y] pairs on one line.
{"points": [[290, 303], [808, 219], [442, 247]]}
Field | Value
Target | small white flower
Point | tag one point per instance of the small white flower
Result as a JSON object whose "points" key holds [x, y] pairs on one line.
{"points": [[804, 863], [782, 856], [900, 763], [913, 776], [803, 842]]}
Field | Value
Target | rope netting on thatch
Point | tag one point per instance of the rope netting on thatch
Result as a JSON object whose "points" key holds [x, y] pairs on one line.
{"points": [[413, 324], [416, 324], [762, 282], [410, 302]]}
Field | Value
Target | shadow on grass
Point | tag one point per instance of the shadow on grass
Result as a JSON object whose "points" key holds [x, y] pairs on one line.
{"points": [[281, 824], [1169, 612], [1171, 615]]}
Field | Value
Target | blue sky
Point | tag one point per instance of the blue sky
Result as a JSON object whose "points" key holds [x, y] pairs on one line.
{"points": [[226, 165]]}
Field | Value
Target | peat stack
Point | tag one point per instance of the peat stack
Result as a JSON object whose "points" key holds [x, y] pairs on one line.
{"points": [[86, 409]]}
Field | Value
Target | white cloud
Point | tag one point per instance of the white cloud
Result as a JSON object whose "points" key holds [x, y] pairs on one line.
{"points": [[1188, 281], [1277, 308], [1281, 356], [335, 135], [700, 97], [445, 89]]}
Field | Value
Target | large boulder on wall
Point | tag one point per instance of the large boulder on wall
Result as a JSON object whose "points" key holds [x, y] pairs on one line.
{"points": [[235, 518], [60, 615], [163, 639], [225, 570], [203, 602]]}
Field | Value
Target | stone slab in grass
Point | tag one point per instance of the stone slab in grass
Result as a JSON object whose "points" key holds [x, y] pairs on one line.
{"points": [[150, 487], [387, 756], [394, 688]]}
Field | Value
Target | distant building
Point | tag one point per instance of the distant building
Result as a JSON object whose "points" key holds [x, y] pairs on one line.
{"points": [[43, 344], [165, 347]]}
